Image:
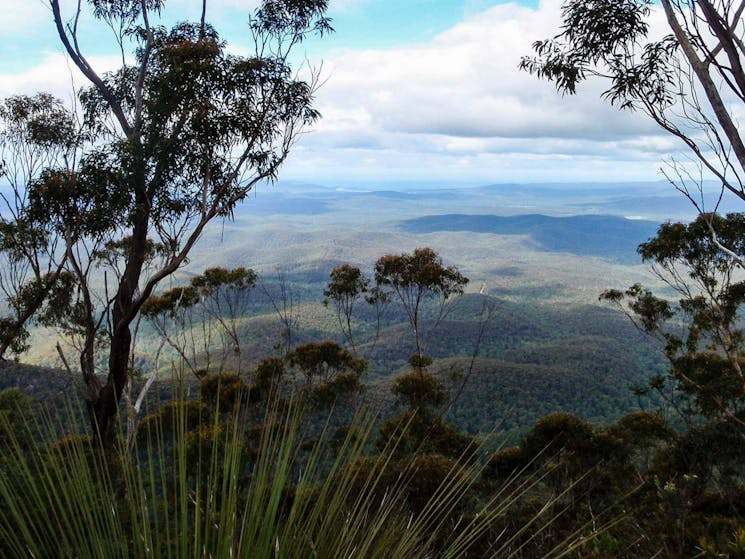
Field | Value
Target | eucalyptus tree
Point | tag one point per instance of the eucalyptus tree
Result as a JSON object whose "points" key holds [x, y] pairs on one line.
{"points": [[702, 331], [175, 138], [36, 133], [347, 287], [690, 81], [187, 317], [414, 279]]}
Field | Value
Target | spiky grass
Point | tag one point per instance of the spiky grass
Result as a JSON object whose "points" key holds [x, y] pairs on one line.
{"points": [[184, 494]]}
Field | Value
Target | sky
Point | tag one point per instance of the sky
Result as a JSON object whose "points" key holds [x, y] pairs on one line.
{"points": [[414, 91]]}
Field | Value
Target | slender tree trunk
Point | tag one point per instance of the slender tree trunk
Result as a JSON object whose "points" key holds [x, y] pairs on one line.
{"points": [[701, 69], [124, 311]]}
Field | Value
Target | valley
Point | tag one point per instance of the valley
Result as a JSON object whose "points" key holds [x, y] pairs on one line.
{"points": [[549, 345]]}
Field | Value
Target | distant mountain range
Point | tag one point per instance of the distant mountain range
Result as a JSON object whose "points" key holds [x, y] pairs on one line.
{"points": [[655, 201], [605, 236]]}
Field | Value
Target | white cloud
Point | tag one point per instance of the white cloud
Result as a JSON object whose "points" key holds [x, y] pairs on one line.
{"points": [[460, 102], [456, 107], [466, 83], [55, 74], [22, 16]]}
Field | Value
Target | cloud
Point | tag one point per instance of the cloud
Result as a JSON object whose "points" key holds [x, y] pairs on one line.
{"points": [[460, 105], [56, 74], [386, 163], [455, 108], [22, 16], [466, 84]]}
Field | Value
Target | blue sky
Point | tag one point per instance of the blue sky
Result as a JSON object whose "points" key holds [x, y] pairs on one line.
{"points": [[422, 91]]}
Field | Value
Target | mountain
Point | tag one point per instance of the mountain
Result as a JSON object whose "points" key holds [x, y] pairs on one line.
{"points": [[605, 236], [549, 346]]}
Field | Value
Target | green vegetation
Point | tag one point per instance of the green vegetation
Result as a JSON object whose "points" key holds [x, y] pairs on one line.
{"points": [[418, 463], [569, 487], [106, 204], [502, 426], [604, 236], [228, 476]]}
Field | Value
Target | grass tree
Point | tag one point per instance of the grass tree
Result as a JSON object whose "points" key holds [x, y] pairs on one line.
{"points": [[195, 486]]}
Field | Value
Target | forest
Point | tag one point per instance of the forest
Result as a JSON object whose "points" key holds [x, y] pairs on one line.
{"points": [[156, 402]]}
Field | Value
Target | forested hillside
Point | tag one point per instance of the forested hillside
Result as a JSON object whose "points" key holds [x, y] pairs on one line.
{"points": [[610, 237], [198, 359], [529, 360]]}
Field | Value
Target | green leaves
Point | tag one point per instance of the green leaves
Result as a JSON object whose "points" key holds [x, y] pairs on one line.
{"points": [[196, 487], [214, 279], [347, 284], [414, 277], [301, 16], [170, 302], [600, 28], [607, 38], [175, 137], [423, 271], [419, 390], [90, 202], [41, 121], [321, 360], [13, 335], [126, 10], [702, 333], [693, 244]]}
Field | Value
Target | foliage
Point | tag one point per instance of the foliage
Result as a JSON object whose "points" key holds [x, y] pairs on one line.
{"points": [[197, 491], [269, 374], [222, 391], [347, 287], [612, 488], [212, 303], [662, 492], [419, 390], [14, 416], [695, 475], [175, 137], [36, 133], [702, 336], [416, 277], [690, 82], [329, 371]]}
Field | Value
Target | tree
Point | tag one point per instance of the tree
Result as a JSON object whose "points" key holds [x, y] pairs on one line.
{"points": [[225, 299], [691, 82], [36, 133], [702, 334], [329, 371], [347, 287], [187, 317], [697, 477], [415, 278], [168, 143], [284, 301]]}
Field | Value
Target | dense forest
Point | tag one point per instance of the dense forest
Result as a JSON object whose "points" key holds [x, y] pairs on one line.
{"points": [[399, 412]]}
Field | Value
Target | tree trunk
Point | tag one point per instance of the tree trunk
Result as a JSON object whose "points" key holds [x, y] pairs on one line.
{"points": [[124, 311]]}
